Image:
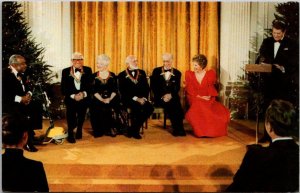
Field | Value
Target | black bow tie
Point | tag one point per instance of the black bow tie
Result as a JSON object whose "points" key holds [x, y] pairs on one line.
{"points": [[77, 70], [277, 41], [19, 74], [169, 70], [132, 71]]}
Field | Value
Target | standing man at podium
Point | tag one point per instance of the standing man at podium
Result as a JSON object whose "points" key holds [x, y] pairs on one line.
{"points": [[282, 53]]}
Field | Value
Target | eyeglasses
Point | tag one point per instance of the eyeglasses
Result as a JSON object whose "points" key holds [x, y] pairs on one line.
{"points": [[77, 59]]}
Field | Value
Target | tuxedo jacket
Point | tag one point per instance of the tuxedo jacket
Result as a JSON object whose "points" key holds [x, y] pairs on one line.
{"points": [[160, 86], [20, 174], [68, 86], [287, 56], [11, 87], [130, 86], [269, 169]]}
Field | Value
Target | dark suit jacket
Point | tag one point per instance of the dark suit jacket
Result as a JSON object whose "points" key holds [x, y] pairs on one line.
{"points": [[269, 169], [287, 55], [68, 86], [21, 174], [11, 87], [280, 84], [129, 89], [161, 87]]}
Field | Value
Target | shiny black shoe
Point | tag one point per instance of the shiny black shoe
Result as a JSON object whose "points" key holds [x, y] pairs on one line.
{"points": [[30, 148], [113, 132], [71, 140], [182, 134], [137, 136]]}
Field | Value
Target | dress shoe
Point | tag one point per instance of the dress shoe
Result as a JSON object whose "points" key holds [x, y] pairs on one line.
{"points": [[137, 136], [30, 148], [71, 140], [113, 132], [182, 133], [96, 135]]}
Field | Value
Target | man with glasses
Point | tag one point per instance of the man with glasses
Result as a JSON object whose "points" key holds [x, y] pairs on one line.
{"points": [[75, 86], [165, 83]]}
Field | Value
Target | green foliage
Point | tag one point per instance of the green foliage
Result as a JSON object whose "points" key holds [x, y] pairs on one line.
{"points": [[289, 13], [17, 39]]}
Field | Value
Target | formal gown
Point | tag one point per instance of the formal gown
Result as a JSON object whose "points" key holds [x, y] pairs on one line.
{"points": [[208, 118], [101, 113]]}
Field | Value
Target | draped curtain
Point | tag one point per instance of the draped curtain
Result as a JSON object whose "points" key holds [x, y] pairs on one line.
{"points": [[147, 30]]}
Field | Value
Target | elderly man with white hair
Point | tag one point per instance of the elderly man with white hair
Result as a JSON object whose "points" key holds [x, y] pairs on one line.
{"points": [[75, 86], [134, 91], [165, 83], [104, 99]]}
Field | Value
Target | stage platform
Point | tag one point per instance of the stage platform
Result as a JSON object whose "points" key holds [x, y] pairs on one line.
{"points": [[157, 163]]}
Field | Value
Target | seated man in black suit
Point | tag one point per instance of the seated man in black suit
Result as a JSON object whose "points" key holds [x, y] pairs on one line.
{"points": [[16, 96], [165, 83], [274, 168], [75, 86], [19, 174], [134, 90]]}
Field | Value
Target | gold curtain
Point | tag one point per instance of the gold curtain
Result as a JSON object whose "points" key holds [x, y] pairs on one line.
{"points": [[147, 30]]}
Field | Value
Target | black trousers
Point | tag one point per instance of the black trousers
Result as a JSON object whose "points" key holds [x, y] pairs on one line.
{"points": [[139, 114], [175, 113], [76, 112], [30, 112]]}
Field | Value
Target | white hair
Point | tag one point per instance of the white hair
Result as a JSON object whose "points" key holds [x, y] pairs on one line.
{"points": [[129, 59], [167, 56], [103, 59], [77, 55], [14, 59]]}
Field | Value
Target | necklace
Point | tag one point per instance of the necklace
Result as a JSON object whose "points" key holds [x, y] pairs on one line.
{"points": [[134, 80]]}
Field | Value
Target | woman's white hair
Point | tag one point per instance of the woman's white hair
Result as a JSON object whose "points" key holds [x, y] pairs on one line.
{"points": [[103, 59]]}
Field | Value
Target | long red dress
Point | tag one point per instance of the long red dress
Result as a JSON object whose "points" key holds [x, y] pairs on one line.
{"points": [[208, 118]]}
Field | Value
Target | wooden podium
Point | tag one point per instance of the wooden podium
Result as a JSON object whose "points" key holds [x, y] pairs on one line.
{"points": [[259, 68]]}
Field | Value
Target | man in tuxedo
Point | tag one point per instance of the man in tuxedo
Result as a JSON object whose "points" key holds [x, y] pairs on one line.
{"points": [[75, 86], [165, 83], [283, 81], [19, 174], [274, 168], [134, 90], [16, 96]]}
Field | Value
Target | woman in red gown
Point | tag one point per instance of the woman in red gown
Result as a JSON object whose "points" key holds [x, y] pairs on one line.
{"points": [[207, 117]]}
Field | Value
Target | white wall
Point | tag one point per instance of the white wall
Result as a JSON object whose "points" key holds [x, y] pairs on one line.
{"points": [[241, 34], [50, 23]]}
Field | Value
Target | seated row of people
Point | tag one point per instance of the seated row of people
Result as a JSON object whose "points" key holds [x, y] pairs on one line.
{"points": [[264, 169], [131, 89]]}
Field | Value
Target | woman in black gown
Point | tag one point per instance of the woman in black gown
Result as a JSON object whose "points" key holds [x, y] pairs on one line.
{"points": [[104, 99]]}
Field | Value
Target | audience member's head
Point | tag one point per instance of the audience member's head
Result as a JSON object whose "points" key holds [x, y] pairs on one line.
{"points": [[280, 119], [14, 131]]}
